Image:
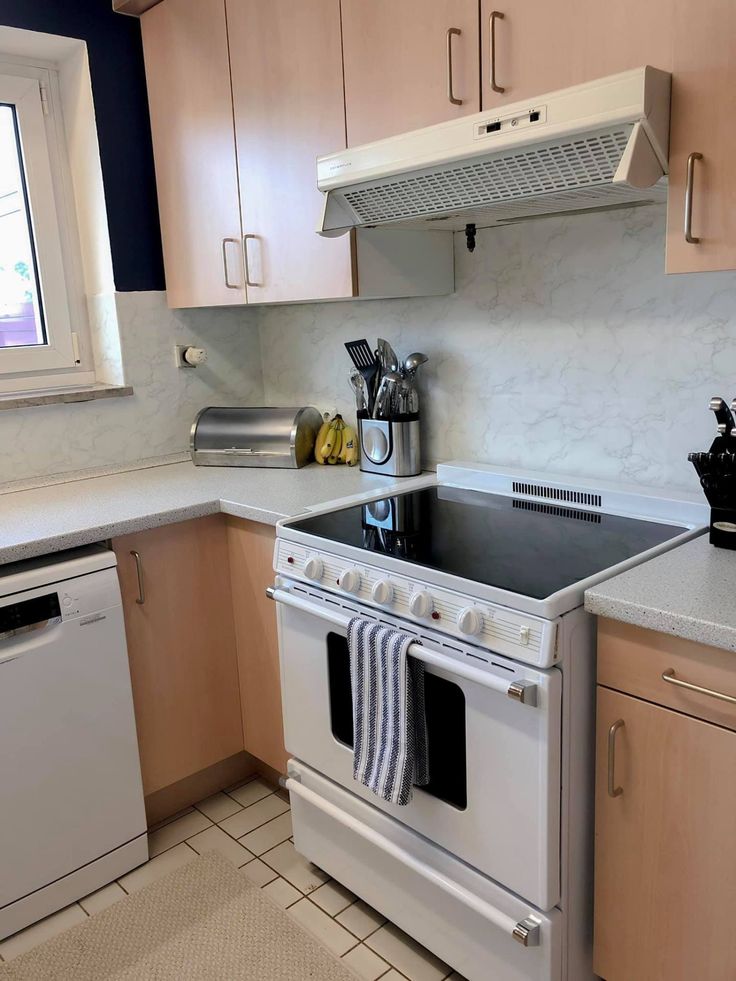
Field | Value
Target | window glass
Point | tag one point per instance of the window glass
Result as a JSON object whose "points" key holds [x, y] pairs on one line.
{"points": [[21, 311]]}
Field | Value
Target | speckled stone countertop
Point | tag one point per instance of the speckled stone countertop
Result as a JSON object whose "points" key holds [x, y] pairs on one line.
{"points": [[87, 509], [688, 592]]}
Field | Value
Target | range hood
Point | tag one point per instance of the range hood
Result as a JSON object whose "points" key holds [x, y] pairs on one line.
{"points": [[599, 145]]}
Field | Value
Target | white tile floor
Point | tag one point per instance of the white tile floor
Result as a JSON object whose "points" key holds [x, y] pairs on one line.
{"points": [[251, 826]]}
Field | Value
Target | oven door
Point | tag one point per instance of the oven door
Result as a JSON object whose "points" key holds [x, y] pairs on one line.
{"points": [[493, 798]]}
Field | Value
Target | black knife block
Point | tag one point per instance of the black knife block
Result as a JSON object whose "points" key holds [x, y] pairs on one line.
{"points": [[723, 527]]}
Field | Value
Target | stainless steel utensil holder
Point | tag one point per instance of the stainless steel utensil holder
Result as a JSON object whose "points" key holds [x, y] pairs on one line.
{"points": [[390, 446]]}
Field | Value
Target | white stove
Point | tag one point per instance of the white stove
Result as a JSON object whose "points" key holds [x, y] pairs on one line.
{"points": [[490, 865]]}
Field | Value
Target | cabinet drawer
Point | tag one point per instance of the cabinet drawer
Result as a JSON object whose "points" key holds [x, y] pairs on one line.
{"points": [[633, 660]]}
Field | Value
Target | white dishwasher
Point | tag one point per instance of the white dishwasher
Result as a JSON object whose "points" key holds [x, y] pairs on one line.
{"points": [[71, 800]]}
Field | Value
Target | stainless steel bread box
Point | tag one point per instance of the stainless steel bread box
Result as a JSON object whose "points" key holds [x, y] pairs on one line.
{"points": [[254, 437]]}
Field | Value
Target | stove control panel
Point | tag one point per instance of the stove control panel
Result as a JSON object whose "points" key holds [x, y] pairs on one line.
{"points": [[518, 635]]}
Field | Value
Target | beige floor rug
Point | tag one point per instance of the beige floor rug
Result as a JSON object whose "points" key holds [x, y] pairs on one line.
{"points": [[204, 921]]}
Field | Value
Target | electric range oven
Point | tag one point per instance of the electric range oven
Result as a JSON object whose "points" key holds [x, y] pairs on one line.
{"points": [[489, 865]]}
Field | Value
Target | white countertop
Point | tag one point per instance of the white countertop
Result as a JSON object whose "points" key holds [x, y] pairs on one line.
{"points": [[687, 592], [85, 509]]}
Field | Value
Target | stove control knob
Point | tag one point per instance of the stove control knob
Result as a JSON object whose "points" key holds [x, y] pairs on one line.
{"points": [[382, 592], [421, 603], [313, 568], [350, 580], [470, 621]]}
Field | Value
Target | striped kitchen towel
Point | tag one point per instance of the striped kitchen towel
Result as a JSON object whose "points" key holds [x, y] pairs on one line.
{"points": [[389, 725]]}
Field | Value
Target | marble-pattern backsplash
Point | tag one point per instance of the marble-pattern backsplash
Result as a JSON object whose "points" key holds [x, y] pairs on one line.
{"points": [[565, 348], [156, 419]]}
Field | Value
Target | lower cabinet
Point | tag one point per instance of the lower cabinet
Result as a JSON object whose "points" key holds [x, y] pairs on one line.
{"points": [[251, 565], [665, 860], [178, 608]]}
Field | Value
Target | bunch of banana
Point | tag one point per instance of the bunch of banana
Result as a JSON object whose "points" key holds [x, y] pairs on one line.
{"points": [[336, 442]]}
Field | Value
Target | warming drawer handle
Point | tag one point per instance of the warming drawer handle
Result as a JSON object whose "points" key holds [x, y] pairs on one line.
{"points": [[527, 932], [520, 691], [669, 677]]}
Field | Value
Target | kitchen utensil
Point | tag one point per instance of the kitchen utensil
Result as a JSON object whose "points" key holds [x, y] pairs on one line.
{"points": [[357, 383], [387, 397], [408, 397], [723, 415], [366, 363], [413, 362], [387, 356]]}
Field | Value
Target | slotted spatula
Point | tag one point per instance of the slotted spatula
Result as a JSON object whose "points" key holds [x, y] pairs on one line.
{"points": [[365, 361]]}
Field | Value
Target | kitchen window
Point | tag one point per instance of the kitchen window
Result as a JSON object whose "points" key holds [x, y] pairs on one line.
{"points": [[39, 248]]}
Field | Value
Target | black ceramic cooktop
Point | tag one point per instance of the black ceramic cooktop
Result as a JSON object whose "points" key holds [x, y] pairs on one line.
{"points": [[530, 548]]}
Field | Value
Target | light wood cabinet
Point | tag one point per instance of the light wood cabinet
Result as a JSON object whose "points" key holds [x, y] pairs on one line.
{"points": [[398, 58], [244, 96], [528, 52], [665, 853], [543, 47], [286, 66], [703, 110], [251, 547], [188, 77], [181, 646]]}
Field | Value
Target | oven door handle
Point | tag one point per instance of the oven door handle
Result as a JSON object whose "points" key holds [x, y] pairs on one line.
{"points": [[520, 691], [526, 932]]}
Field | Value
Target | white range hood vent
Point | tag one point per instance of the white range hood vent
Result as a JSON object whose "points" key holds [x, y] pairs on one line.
{"points": [[599, 145]]}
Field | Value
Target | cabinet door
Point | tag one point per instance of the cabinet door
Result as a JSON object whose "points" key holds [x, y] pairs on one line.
{"points": [[530, 52], [286, 67], [188, 78], [665, 870], [397, 65], [542, 47], [251, 563], [703, 110], [181, 646]]}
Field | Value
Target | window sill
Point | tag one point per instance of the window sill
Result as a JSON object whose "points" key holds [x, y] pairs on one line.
{"points": [[54, 396]]}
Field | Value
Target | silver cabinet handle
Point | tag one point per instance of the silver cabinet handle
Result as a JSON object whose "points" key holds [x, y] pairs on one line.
{"points": [[669, 677], [248, 280], [613, 790], [139, 570], [495, 15], [225, 243], [452, 32], [689, 237]]}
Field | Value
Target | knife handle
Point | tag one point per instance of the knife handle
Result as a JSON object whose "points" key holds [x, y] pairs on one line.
{"points": [[723, 415]]}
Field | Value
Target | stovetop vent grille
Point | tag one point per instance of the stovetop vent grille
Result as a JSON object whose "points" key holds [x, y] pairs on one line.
{"points": [[561, 512], [558, 494]]}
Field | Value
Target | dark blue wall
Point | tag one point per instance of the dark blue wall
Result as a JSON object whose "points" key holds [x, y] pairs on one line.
{"points": [[119, 89]]}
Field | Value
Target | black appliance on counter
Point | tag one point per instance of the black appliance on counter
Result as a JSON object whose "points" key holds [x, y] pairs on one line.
{"points": [[717, 472]]}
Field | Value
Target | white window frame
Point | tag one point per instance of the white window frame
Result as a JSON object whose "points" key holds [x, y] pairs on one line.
{"points": [[34, 92]]}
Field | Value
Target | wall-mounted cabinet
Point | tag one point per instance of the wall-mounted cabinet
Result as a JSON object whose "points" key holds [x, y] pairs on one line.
{"points": [[244, 96], [408, 65]]}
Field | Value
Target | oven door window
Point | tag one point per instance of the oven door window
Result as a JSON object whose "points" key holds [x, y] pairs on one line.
{"points": [[445, 712]]}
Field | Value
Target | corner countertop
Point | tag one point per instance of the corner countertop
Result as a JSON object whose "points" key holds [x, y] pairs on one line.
{"points": [[687, 592], [81, 509]]}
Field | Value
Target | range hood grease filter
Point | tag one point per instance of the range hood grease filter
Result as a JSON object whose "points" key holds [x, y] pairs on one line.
{"points": [[595, 146]]}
